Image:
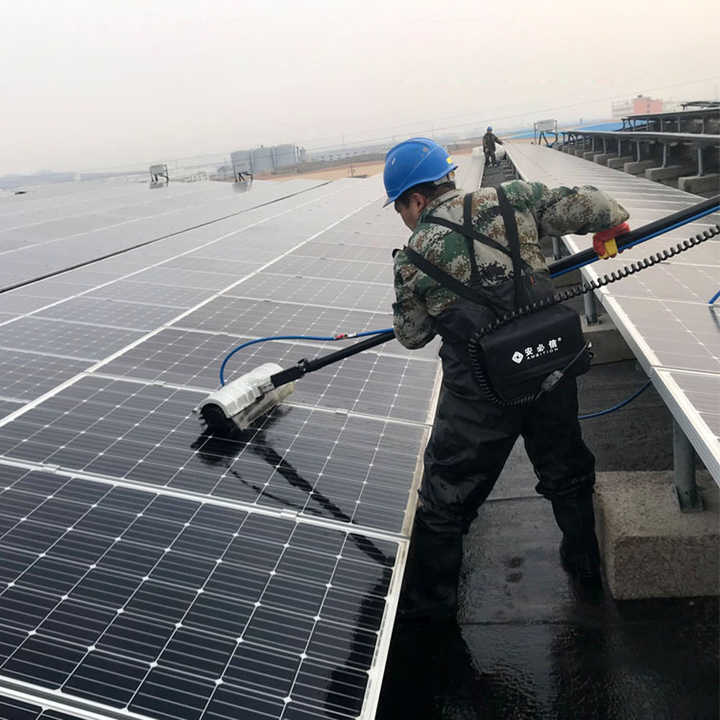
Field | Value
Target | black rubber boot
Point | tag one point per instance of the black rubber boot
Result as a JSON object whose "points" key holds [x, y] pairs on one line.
{"points": [[431, 576], [579, 551]]}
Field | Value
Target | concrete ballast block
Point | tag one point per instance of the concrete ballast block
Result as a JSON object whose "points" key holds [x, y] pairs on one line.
{"points": [[700, 183], [638, 167], [617, 163], [608, 345], [667, 173], [589, 155], [602, 158], [650, 548]]}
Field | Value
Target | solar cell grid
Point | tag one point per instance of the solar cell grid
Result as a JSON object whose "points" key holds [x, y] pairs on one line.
{"points": [[368, 383], [18, 302], [225, 266], [379, 238], [703, 392], [255, 605], [110, 313], [672, 281], [360, 270], [347, 468], [163, 275], [345, 252], [72, 340], [173, 295], [370, 297], [25, 376], [8, 406], [263, 318]]}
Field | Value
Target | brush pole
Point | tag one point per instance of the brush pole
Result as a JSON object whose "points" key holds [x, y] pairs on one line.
{"points": [[645, 232], [306, 366]]}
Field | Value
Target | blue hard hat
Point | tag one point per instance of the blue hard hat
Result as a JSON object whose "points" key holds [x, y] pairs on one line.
{"points": [[489, 129], [412, 162]]}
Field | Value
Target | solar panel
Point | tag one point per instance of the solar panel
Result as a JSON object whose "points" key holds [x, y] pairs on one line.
{"points": [[354, 469], [184, 609], [663, 313], [69, 236], [116, 498]]}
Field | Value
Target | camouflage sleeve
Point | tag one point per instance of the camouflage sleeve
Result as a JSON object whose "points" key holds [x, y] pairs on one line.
{"points": [[563, 210], [411, 321]]}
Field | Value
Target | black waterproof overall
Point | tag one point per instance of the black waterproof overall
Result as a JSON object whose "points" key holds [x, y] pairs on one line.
{"points": [[471, 440]]}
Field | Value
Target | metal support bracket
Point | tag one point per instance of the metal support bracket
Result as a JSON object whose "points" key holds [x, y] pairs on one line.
{"points": [[686, 489], [590, 308]]}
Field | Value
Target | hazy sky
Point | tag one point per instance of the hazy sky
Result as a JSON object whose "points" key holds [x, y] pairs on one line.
{"points": [[89, 84]]}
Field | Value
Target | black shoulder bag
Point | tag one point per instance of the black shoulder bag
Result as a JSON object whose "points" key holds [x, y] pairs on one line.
{"points": [[518, 359]]}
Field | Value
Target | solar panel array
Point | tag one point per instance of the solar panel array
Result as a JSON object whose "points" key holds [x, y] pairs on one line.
{"points": [[149, 568], [663, 312]]}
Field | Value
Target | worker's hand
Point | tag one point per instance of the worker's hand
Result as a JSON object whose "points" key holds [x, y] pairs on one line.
{"points": [[604, 243]]}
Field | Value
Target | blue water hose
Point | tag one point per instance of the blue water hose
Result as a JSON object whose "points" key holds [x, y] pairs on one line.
{"points": [[625, 402], [317, 338]]}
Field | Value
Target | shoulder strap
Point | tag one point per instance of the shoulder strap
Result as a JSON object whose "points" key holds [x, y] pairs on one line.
{"points": [[466, 229], [467, 232], [511, 233], [477, 295]]}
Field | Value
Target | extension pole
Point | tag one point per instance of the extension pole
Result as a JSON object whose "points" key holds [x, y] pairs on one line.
{"points": [[560, 267], [639, 235]]}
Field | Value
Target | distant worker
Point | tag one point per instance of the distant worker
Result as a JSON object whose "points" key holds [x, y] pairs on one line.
{"points": [[472, 437], [489, 140]]}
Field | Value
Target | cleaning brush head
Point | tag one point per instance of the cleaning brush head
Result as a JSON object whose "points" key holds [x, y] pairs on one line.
{"points": [[243, 400]]}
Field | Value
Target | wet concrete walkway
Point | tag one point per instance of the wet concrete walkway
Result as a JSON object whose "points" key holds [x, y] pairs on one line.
{"points": [[527, 644]]}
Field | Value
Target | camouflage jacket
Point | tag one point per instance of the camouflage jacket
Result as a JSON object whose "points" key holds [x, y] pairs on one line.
{"points": [[539, 211]]}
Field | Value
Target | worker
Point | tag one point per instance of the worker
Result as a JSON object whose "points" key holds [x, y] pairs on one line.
{"points": [[489, 140], [472, 437]]}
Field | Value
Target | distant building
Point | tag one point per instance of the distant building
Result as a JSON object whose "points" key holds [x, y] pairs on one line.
{"points": [[639, 105], [267, 159]]}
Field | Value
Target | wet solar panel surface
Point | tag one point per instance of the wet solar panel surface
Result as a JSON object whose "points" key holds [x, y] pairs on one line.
{"points": [[344, 467], [133, 599]]}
